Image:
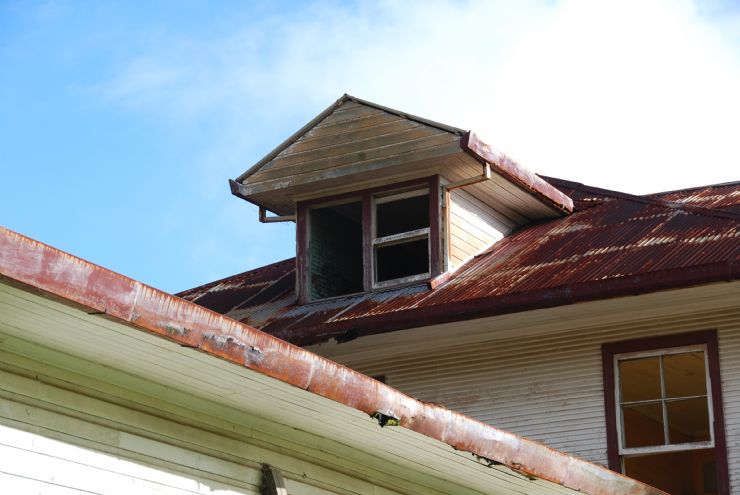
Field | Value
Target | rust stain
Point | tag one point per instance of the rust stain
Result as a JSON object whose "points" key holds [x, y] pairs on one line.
{"points": [[613, 244], [38, 267]]}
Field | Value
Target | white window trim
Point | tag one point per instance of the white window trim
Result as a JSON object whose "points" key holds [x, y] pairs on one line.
{"points": [[656, 449]]}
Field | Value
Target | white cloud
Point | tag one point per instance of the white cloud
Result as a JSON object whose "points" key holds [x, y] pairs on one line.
{"points": [[633, 95]]}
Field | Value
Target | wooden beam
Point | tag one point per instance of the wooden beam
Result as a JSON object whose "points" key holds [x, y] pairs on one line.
{"points": [[272, 481]]}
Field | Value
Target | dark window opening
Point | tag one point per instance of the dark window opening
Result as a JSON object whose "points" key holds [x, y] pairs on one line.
{"points": [[402, 215], [402, 260], [688, 472], [335, 250]]}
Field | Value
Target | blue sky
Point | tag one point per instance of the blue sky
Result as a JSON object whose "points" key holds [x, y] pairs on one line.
{"points": [[121, 122]]}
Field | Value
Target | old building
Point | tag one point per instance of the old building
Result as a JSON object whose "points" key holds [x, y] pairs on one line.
{"points": [[601, 323], [109, 386]]}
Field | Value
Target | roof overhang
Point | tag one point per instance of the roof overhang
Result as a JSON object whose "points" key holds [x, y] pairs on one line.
{"points": [[103, 312], [288, 174]]}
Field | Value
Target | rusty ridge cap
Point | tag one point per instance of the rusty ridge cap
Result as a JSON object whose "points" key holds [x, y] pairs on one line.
{"points": [[472, 144], [34, 266], [253, 271], [649, 199], [695, 188]]}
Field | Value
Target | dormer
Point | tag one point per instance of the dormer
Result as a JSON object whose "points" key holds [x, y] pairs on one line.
{"points": [[384, 199]]}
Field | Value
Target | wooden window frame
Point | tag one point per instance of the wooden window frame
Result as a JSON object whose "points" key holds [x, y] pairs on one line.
{"points": [[705, 340], [368, 199]]}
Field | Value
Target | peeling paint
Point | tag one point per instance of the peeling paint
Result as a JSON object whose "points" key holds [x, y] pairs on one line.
{"points": [[618, 244]]}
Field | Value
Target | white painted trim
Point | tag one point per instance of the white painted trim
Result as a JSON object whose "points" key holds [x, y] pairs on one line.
{"points": [[666, 447]]}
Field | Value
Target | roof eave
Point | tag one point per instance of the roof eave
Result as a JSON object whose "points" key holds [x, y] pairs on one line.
{"points": [[517, 174], [38, 267]]}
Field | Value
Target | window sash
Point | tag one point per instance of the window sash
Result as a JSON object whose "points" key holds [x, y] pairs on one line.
{"points": [[666, 447]]}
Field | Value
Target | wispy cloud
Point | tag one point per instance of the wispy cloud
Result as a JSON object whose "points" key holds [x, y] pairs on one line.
{"points": [[638, 95]]}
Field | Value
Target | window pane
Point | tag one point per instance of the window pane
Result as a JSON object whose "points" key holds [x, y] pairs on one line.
{"points": [[691, 472], [643, 425], [402, 260], [688, 420], [639, 379], [335, 250], [684, 374], [403, 215]]}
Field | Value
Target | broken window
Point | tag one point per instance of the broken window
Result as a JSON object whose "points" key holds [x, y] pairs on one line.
{"points": [[335, 250], [377, 239], [664, 419], [401, 250]]}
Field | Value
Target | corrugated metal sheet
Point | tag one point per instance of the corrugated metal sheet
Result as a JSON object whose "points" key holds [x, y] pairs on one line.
{"points": [[104, 314], [557, 398], [613, 244]]}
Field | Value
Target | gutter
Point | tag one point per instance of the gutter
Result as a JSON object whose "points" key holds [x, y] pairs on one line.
{"points": [[36, 267], [505, 166]]}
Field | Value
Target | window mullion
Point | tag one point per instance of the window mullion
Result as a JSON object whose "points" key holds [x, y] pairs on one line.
{"points": [[666, 438], [368, 233]]}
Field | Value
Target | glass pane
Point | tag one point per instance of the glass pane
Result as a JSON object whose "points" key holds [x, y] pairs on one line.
{"points": [[684, 374], [335, 250], [403, 215], [642, 425], [402, 260], [688, 420], [691, 472], [639, 379]]}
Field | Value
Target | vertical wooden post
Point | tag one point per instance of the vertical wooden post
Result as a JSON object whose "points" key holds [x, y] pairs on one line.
{"points": [[272, 481]]}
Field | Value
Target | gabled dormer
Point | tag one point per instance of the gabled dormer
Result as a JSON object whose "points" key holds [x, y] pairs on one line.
{"points": [[384, 199]]}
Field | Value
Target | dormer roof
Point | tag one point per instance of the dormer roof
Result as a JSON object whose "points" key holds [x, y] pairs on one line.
{"points": [[355, 144]]}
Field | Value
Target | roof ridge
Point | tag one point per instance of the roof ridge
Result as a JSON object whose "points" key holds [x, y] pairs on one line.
{"points": [[648, 199], [695, 188]]}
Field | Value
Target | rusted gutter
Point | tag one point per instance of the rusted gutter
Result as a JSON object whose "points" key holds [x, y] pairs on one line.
{"points": [[503, 165], [36, 267]]}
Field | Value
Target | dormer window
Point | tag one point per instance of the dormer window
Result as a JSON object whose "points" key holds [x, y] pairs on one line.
{"points": [[444, 196], [369, 240]]}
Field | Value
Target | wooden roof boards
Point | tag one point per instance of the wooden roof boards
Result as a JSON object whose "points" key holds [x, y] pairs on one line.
{"points": [[355, 144]]}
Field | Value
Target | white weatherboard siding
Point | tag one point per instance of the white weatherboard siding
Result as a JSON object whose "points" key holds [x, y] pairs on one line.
{"points": [[179, 419], [546, 383], [54, 440], [473, 226]]}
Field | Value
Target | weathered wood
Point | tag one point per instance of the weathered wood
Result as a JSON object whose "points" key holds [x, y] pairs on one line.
{"points": [[348, 172], [272, 481], [407, 147], [314, 142], [356, 146]]}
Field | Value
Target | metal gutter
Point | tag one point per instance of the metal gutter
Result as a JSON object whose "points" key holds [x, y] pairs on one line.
{"points": [[37, 267], [505, 166]]}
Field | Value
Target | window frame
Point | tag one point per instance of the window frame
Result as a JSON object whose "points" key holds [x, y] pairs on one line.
{"points": [[400, 238], [368, 200], [613, 352]]}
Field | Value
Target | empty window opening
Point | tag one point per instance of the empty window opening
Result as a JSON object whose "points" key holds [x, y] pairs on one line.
{"points": [[402, 260], [664, 412], [335, 250], [401, 215], [401, 249]]}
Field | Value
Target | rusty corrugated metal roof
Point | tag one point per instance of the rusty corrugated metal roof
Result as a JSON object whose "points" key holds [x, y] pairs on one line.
{"points": [[41, 269], [613, 244]]}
